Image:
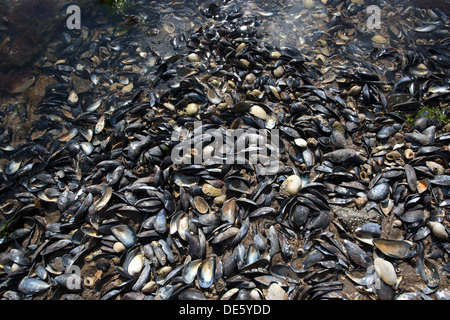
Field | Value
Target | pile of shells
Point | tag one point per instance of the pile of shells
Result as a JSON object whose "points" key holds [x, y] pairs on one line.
{"points": [[95, 206]]}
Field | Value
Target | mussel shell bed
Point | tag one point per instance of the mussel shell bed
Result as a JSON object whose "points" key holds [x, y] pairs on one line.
{"points": [[233, 150]]}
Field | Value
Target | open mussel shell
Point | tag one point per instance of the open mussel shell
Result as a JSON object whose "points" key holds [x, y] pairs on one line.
{"points": [[237, 184], [258, 112], [211, 191], [201, 205], [205, 275], [124, 234], [92, 232], [367, 232], [181, 224], [190, 271], [184, 180], [386, 206], [228, 211], [134, 262], [422, 185], [396, 249], [429, 273], [284, 272], [9, 206]]}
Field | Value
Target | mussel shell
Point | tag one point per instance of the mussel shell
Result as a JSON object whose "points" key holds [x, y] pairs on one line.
{"points": [[201, 205], [357, 255], [191, 294], [228, 211], [378, 192], [19, 257], [160, 223], [429, 272], [367, 232], [32, 285], [441, 180], [205, 275], [134, 262], [124, 234], [284, 272], [422, 185], [299, 216], [411, 177], [210, 190], [413, 216], [184, 180], [252, 255], [396, 249], [224, 234], [190, 271], [237, 184], [92, 232]]}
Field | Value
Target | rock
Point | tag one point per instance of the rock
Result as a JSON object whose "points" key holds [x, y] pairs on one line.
{"points": [[308, 4], [275, 292], [290, 186], [352, 218], [136, 265], [118, 247], [193, 57], [278, 72], [192, 109], [80, 85], [127, 88]]}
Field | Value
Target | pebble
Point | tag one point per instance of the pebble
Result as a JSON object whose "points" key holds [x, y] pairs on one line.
{"points": [[127, 88], [278, 72], [136, 265], [275, 55], [275, 292], [118, 247], [192, 109], [308, 4], [290, 186], [193, 57], [258, 112]]}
